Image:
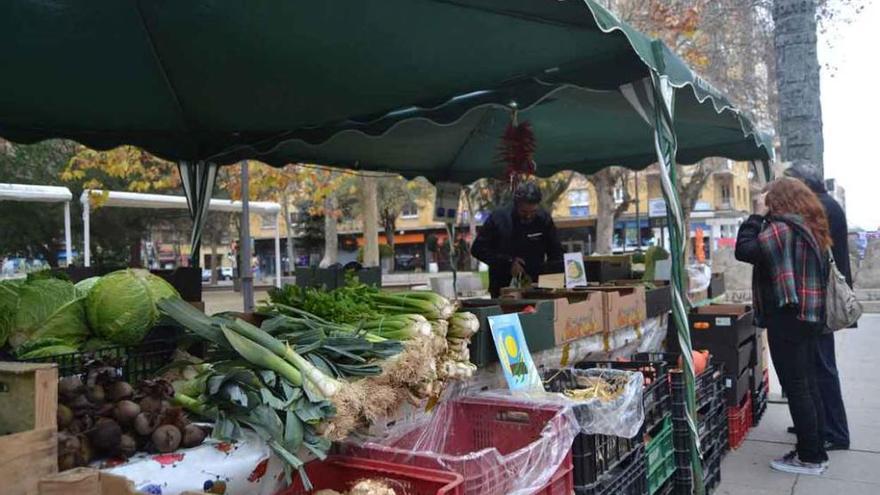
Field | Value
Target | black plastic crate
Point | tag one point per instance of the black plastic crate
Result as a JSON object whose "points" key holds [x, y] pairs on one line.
{"points": [[593, 456], [135, 362], [629, 478], [737, 387], [608, 268], [683, 477], [759, 406], [656, 396], [708, 386]]}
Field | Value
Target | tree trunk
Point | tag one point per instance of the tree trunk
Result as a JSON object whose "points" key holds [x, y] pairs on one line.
{"points": [[389, 224], [215, 258], [285, 208], [369, 201], [604, 181], [797, 81], [604, 185], [331, 238], [472, 228]]}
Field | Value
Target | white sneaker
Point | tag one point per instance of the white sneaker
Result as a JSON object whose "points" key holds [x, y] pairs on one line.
{"points": [[789, 463]]}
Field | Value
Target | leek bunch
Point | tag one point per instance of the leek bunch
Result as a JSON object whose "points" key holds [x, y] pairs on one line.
{"points": [[431, 305]]}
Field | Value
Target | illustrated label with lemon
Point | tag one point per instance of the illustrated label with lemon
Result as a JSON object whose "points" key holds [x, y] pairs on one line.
{"points": [[575, 272], [513, 353]]}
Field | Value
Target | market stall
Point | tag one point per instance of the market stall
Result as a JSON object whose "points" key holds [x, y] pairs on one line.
{"points": [[594, 91], [43, 194], [124, 199]]}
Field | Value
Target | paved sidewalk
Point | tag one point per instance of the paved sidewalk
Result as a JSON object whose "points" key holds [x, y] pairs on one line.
{"points": [[856, 472]]}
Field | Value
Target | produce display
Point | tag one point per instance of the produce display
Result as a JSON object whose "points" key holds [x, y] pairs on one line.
{"points": [[105, 417], [604, 388], [392, 315], [302, 380], [364, 487], [321, 365], [43, 316]]}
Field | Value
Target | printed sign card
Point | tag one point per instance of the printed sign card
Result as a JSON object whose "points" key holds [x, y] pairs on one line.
{"points": [[575, 271], [513, 353]]}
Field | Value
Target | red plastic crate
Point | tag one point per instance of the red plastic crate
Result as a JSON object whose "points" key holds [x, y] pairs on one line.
{"points": [[340, 473], [476, 431], [739, 421]]}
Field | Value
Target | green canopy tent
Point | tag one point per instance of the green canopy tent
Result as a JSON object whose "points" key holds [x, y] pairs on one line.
{"points": [[419, 87]]}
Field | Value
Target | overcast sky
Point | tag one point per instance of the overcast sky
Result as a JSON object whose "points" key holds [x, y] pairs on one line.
{"points": [[851, 109]]}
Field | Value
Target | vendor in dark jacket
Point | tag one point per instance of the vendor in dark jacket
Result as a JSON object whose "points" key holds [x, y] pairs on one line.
{"points": [[787, 243], [518, 240], [836, 427]]}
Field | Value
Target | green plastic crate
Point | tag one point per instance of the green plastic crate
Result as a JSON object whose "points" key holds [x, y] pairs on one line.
{"points": [[660, 456]]}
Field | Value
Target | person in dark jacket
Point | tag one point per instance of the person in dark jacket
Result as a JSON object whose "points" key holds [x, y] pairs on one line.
{"points": [[787, 244], [518, 240], [836, 427]]}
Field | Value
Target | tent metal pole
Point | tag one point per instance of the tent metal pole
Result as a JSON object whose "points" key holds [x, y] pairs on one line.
{"points": [[666, 145], [278, 250], [67, 242], [244, 266], [86, 204]]}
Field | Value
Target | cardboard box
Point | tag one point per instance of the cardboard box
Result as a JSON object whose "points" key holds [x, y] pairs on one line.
{"points": [[624, 306], [89, 481], [537, 326], [576, 313], [658, 299], [28, 415], [86, 481]]}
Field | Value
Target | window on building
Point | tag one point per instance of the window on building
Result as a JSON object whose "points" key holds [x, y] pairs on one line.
{"points": [[409, 210], [579, 203], [618, 194], [268, 222], [725, 194]]}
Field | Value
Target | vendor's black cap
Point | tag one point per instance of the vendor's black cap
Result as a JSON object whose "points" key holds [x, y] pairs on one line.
{"points": [[527, 192]]}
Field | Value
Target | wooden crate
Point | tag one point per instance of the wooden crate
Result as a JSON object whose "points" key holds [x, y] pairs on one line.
{"points": [[89, 481], [28, 409]]}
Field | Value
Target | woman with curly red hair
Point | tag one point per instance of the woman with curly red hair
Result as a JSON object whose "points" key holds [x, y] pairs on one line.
{"points": [[788, 243]]}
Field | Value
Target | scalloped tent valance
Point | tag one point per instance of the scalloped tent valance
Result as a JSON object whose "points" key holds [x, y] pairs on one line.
{"points": [[420, 87]]}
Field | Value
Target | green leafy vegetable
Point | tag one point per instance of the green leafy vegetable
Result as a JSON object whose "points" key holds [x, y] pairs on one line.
{"points": [[121, 306], [43, 308], [83, 287]]}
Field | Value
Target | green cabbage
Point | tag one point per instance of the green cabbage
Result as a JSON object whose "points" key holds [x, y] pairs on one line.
{"points": [[84, 286], [47, 351], [44, 308], [121, 307], [45, 347], [8, 307]]}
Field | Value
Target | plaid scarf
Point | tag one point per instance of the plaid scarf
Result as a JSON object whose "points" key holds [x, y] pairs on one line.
{"points": [[797, 268]]}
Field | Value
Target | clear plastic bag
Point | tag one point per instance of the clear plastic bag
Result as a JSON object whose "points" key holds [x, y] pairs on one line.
{"points": [[616, 410], [700, 276], [501, 445]]}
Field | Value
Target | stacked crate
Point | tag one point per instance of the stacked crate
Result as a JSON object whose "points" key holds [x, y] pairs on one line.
{"points": [[712, 428], [761, 378], [605, 464]]}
